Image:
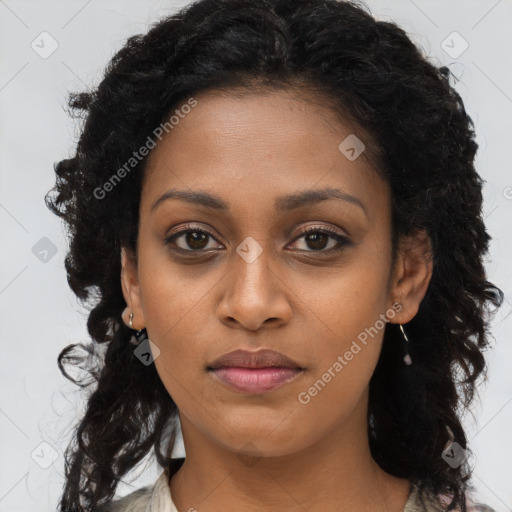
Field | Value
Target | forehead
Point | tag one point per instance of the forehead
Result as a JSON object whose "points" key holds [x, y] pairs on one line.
{"points": [[258, 143], [298, 113]]}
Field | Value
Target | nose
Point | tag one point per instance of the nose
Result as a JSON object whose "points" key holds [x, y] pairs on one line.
{"points": [[254, 294]]}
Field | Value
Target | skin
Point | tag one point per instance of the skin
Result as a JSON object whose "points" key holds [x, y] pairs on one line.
{"points": [[270, 452]]}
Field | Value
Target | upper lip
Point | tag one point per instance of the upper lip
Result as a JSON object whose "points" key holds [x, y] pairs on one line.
{"points": [[263, 358]]}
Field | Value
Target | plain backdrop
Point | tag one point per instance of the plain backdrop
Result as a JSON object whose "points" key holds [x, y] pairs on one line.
{"points": [[50, 48]]}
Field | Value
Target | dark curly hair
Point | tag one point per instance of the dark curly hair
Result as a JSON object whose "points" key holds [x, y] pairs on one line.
{"points": [[423, 139]]}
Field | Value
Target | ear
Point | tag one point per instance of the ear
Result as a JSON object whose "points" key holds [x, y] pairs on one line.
{"points": [[411, 275], [131, 290]]}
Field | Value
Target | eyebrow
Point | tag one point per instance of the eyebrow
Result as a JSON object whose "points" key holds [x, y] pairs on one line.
{"points": [[282, 204]]}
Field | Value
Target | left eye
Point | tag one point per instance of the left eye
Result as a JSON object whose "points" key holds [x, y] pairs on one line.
{"points": [[317, 238]]}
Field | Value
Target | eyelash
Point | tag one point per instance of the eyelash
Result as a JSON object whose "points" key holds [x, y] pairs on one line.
{"points": [[331, 232]]}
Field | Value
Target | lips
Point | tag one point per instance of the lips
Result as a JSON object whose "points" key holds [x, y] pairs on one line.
{"points": [[263, 358], [255, 380], [254, 372]]}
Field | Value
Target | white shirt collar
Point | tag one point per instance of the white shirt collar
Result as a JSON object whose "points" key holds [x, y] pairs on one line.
{"points": [[160, 500]]}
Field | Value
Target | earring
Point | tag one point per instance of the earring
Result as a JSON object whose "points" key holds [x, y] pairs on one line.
{"points": [[140, 335], [407, 357]]}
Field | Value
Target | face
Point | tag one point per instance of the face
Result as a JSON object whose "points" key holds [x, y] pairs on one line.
{"points": [[246, 276]]}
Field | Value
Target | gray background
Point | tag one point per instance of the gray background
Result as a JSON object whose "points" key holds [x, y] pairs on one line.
{"points": [[40, 315]]}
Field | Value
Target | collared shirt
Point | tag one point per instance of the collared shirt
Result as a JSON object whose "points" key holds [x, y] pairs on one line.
{"points": [[157, 498]]}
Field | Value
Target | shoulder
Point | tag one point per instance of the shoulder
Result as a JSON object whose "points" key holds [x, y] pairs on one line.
{"points": [[151, 498], [136, 501], [471, 506], [425, 501], [140, 500], [476, 507]]}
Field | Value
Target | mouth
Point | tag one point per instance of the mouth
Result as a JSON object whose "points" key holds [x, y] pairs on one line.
{"points": [[254, 372]]}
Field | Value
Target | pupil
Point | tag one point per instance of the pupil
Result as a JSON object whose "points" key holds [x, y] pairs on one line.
{"points": [[193, 243], [314, 238]]}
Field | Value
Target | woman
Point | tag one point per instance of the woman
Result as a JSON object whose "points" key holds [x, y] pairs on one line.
{"points": [[274, 208]]}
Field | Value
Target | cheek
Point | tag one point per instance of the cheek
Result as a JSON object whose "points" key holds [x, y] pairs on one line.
{"points": [[174, 295], [177, 313], [346, 316], [347, 300], [177, 323], [346, 352]]}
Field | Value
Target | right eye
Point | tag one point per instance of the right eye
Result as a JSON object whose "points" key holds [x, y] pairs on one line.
{"points": [[191, 238]]}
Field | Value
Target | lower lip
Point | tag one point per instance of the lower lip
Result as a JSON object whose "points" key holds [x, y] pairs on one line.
{"points": [[255, 380]]}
